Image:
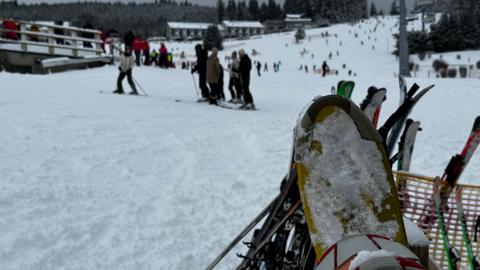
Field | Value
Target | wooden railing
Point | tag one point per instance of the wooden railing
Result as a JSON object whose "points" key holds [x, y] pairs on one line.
{"points": [[32, 36]]}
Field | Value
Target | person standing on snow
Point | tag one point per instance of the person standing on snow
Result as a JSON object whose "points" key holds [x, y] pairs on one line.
{"points": [[234, 84], [201, 68], [146, 52], [259, 68], [163, 56], [126, 66], [137, 48], [245, 68], [325, 68], [213, 76]]}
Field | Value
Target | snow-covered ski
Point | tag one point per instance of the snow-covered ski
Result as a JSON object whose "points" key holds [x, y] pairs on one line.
{"points": [[450, 252], [345, 88], [472, 259], [354, 201], [390, 131], [372, 104]]}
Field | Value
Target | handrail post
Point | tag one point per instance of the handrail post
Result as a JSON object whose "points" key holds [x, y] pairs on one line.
{"points": [[74, 34], [51, 41], [23, 37]]}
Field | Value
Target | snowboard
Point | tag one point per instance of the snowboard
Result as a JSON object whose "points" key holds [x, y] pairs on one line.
{"points": [[344, 175]]}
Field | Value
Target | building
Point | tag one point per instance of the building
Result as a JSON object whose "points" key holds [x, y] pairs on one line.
{"points": [[294, 21], [186, 30], [242, 29]]}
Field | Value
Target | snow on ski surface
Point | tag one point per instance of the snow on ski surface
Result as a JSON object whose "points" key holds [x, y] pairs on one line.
{"points": [[415, 236], [340, 176], [364, 256], [92, 181]]}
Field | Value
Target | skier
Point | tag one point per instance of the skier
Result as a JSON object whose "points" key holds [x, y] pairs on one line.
{"points": [[163, 56], [265, 68], [128, 38], [154, 57], [245, 68], [325, 68], [137, 48], [126, 66], [146, 52], [10, 25], [234, 83], [201, 68], [259, 69], [213, 76]]}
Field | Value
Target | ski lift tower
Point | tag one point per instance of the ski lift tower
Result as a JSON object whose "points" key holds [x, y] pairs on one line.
{"points": [[403, 42]]}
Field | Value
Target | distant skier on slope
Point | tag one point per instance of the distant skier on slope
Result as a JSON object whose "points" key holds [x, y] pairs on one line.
{"points": [[201, 68], [259, 69], [245, 68], [126, 66], [325, 68]]}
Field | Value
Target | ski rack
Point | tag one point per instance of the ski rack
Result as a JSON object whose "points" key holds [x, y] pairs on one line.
{"points": [[416, 202]]}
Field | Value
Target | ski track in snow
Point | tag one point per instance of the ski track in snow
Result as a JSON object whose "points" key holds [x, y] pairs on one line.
{"points": [[99, 181]]}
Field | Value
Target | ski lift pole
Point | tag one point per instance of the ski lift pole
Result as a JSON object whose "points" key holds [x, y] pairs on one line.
{"points": [[139, 86]]}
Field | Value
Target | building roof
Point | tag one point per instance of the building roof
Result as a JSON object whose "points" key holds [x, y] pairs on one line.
{"points": [[296, 18], [243, 24], [188, 25]]}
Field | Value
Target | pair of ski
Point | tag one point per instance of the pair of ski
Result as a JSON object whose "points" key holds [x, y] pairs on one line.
{"points": [[125, 94], [226, 105], [442, 189], [371, 105]]}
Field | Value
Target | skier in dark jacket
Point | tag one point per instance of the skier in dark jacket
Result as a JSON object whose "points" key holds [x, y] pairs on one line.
{"points": [[245, 68], [201, 68], [128, 39], [259, 69], [325, 68]]}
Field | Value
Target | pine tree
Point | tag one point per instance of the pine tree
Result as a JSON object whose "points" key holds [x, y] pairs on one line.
{"points": [[213, 38], [220, 10], [272, 9], [253, 8], [373, 10], [394, 10], [231, 10]]}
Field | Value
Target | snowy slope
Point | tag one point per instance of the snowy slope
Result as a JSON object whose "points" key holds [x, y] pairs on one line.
{"points": [[99, 181]]}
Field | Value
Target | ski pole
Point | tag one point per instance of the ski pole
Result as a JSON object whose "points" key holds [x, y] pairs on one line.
{"points": [[195, 85], [139, 86]]}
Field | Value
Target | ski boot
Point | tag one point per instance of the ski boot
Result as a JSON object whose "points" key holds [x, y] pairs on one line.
{"points": [[119, 91]]}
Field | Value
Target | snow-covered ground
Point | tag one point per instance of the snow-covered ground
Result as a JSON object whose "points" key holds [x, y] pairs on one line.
{"points": [[99, 181]]}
